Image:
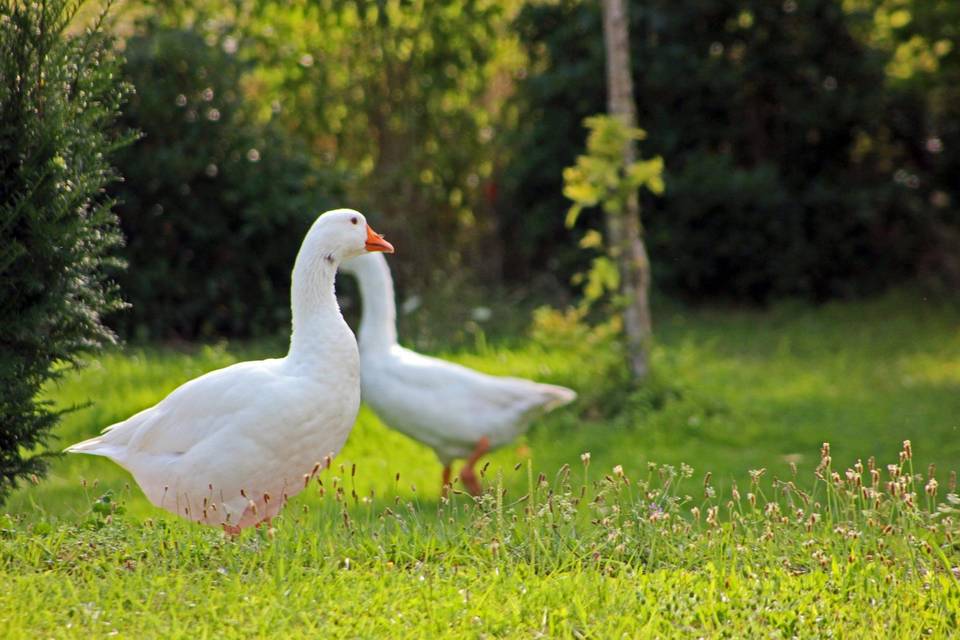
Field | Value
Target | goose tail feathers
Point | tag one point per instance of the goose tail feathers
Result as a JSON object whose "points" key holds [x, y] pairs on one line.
{"points": [[557, 396], [94, 446]]}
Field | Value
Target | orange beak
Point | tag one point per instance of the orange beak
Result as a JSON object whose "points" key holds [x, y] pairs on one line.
{"points": [[375, 242]]}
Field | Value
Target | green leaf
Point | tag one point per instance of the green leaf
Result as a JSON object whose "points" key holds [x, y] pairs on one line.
{"points": [[643, 172], [591, 240], [583, 193], [655, 185], [602, 277]]}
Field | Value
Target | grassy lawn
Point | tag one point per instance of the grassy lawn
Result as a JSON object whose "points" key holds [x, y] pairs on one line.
{"points": [[583, 551]]}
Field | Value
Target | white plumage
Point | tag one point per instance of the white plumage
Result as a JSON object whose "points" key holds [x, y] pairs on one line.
{"points": [[228, 448], [458, 412]]}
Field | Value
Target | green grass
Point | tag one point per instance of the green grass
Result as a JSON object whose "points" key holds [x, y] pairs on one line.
{"points": [[579, 552]]}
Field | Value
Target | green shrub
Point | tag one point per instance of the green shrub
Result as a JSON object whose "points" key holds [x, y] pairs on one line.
{"points": [[768, 116], [58, 96], [923, 78], [405, 94], [214, 203]]}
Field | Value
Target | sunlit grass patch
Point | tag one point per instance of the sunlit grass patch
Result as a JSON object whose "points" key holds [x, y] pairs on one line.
{"points": [[640, 542], [584, 551]]}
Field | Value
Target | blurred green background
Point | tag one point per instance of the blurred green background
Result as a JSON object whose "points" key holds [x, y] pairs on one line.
{"points": [[805, 253], [812, 148]]}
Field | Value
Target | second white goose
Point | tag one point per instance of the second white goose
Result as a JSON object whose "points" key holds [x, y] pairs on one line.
{"points": [[456, 411]]}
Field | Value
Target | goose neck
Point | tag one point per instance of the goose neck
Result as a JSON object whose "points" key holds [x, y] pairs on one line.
{"points": [[378, 319], [317, 321]]}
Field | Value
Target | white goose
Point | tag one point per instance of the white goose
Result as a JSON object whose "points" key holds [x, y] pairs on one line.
{"points": [[458, 412], [229, 447]]}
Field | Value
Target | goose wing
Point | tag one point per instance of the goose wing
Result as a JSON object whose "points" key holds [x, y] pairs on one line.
{"points": [[441, 402], [195, 411]]}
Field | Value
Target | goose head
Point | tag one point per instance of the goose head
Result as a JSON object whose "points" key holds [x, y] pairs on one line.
{"points": [[335, 236], [342, 234]]}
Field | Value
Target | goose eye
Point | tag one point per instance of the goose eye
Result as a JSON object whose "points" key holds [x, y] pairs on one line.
{"points": [[354, 220]]}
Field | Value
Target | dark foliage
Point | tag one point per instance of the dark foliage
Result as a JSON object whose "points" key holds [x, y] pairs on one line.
{"points": [[215, 203], [924, 114], [767, 115], [58, 95]]}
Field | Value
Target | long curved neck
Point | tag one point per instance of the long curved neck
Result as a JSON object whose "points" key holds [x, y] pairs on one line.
{"points": [[316, 315], [378, 321]]}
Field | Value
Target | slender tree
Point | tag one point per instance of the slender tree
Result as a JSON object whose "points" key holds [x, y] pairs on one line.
{"points": [[623, 228]]}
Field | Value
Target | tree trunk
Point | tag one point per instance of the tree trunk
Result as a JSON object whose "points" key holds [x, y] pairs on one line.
{"points": [[624, 229]]}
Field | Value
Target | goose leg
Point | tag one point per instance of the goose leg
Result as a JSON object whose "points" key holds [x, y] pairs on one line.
{"points": [[467, 474], [445, 483]]}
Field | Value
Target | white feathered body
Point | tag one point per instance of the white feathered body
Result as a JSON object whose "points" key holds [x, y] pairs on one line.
{"points": [[229, 447], [243, 434], [449, 407]]}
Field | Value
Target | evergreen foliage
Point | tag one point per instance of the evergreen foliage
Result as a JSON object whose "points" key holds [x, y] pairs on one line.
{"points": [[59, 95]]}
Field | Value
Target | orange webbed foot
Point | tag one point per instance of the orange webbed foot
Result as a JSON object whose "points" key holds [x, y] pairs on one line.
{"points": [[467, 474]]}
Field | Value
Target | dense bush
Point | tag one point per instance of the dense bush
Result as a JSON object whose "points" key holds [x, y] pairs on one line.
{"points": [[405, 94], [769, 117], [58, 95], [922, 40], [214, 203]]}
